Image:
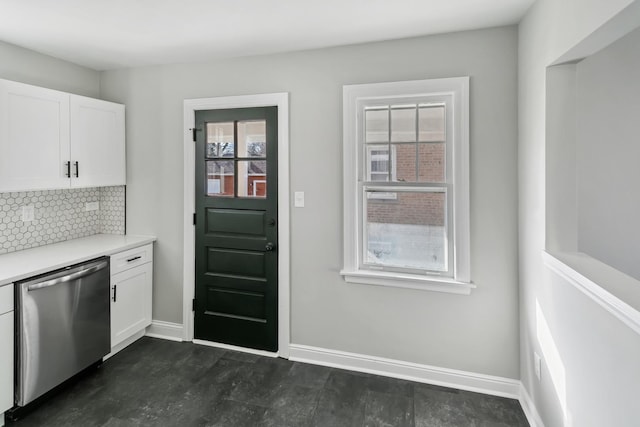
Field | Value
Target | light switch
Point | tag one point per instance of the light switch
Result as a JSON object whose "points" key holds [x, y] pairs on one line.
{"points": [[28, 213], [298, 199]]}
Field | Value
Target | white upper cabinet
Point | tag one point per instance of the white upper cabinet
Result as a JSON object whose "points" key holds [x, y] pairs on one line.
{"points": [[97, 143], [54, 140], [34, 137]]}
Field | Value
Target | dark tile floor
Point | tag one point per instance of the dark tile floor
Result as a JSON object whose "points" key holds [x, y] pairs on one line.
{"points": [[162, 383]]}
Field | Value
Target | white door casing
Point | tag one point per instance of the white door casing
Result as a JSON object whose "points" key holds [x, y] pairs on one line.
{"points": [[280, 100]]}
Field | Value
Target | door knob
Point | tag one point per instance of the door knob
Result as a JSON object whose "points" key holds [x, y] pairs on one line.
{"points": [[269, 247]]}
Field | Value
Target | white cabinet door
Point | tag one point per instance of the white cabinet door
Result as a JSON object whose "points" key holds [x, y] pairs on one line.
{"points": [[97, 143], [34, 137], [6, 361], [131, 293]]}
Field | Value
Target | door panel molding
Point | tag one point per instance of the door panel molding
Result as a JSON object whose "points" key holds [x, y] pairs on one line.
{"points": [[280, 100]]}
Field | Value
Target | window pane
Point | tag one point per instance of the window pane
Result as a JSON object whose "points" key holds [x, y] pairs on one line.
{"points": [[377, 125], [403, 124], [220, 139], [252, 178], [432, 124], [220, 178], [377, 163], [431, 167], [252, 138], [404, 162], [408, 231]]}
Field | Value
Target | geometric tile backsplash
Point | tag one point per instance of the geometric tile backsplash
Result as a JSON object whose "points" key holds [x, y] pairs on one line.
{"points": [[112, 215], [59, 215]]}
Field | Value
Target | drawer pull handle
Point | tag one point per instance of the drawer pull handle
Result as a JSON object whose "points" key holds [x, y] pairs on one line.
{"points": [[134, 258]]}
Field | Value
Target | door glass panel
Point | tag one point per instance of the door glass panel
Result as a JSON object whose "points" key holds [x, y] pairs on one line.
{"points": [[220, 175], [252, 178], [407, 230], [252, 138], [431, 167], [403, 123], [431, 124], [220, 140], [377, 125]]}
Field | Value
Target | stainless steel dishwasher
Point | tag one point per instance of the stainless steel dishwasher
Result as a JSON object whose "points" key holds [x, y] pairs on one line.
{"points": [[63, 326]]}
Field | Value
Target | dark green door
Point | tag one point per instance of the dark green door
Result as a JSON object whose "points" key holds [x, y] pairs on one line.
{"points": [[236, 227]]}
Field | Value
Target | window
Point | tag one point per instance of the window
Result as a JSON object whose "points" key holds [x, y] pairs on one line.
{"points": [[406, 184], [236, 148]]}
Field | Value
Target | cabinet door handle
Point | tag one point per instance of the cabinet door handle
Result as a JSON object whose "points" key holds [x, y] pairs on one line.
{"points": [[134, 258], [68, 169], [77, 169], [115, 289]]}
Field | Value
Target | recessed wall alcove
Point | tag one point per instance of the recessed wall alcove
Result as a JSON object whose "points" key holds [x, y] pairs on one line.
{"points": [[592, 142]]}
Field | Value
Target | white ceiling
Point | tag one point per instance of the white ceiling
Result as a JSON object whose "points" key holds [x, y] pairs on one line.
{"points": [[108, 34]]}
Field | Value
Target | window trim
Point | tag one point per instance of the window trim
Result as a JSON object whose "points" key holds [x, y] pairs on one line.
{"points": [[458, 89]]}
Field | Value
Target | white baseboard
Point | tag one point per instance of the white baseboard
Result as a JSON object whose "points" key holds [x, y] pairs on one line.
{"points": [[497, 386], [165, 330], [529, 408]]}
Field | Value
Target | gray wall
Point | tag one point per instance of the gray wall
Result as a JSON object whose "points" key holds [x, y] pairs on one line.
{"points": [[590, 369], [27, 66], [608, 100], [476, 333]]}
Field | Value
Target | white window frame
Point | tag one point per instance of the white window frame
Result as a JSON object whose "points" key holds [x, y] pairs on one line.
{"points": [[354, 172]]}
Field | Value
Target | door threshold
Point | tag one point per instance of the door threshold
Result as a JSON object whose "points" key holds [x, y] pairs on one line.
{"points": [[236, 348]]}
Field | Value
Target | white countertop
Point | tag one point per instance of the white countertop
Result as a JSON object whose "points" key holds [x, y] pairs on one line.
{"points": [[20, 265]]}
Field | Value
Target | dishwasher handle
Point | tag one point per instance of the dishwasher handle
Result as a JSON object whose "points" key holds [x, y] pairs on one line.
{"points": [[68, 277]]}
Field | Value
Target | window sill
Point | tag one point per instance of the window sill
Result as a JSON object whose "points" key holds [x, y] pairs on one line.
{"points": [[408, 281], [615, 291]]}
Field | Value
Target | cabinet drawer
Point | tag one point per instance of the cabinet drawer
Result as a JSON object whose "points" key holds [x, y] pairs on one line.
{"points": [[6, 298], [131, 258]]}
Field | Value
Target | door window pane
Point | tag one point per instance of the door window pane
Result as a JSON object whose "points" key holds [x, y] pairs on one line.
{"points": [[408, 231], [377, 125], [432, 164], [252, 138], [252, 178], [220, 140], [403, 123], [220, 175], [431, 124]]}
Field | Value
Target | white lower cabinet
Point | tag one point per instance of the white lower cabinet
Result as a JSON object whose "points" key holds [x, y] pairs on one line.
{"points": [[131, 294], [6, 350]]}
